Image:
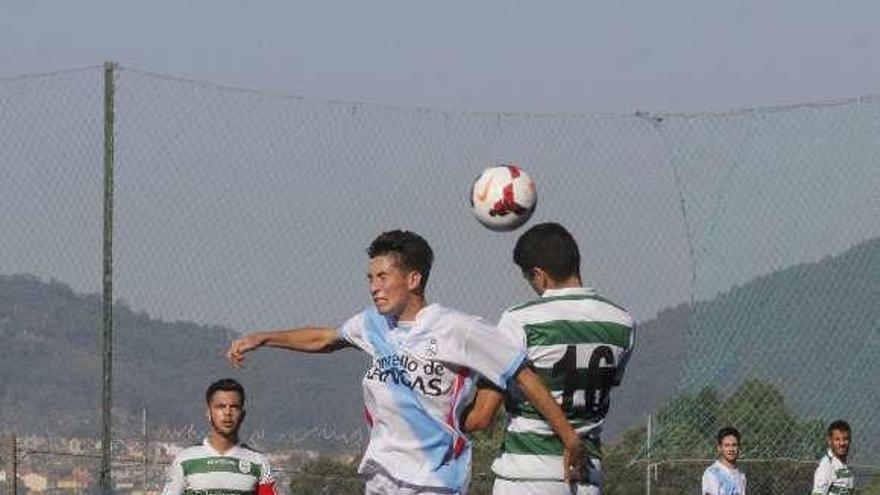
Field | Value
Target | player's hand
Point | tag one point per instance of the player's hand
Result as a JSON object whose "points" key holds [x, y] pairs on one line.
{"points": [[573, 459], [235, 354]]}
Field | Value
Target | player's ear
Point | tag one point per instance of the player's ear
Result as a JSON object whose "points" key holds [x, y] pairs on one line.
{"points": [[414, 280], [540, 279]]}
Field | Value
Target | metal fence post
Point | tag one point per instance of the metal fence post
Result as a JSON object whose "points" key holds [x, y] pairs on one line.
{"points": [[107, 389], [10, 455]]}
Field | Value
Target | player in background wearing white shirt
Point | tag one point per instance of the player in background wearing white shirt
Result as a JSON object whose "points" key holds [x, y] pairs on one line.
{"points": [[425, 362], [723, 477], [222, 464], [833, 476], [579, 344]]}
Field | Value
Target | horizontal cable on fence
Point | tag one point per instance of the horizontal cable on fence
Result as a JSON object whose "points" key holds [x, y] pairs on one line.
{"points": [[38, 75], [655, 115], [361, 103]]}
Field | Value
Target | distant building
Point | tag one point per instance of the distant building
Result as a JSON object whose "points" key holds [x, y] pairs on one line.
{"points": [[70, 483], [35, 482]]}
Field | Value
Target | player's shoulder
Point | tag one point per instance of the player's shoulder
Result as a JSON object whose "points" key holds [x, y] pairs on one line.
{"points": [[247, 447], [710, 477], [573, 304], [252, 453], [522, 305], [442, 316], [826, 459], [712, 469]]}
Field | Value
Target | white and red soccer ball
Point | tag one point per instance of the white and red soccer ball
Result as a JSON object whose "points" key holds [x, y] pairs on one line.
{"points": [[503, 197]]}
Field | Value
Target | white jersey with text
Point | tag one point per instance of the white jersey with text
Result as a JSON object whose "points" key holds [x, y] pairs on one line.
{"points": [[579, 344], [422, 376], [201, 469], [719, 479], [832, 476]]}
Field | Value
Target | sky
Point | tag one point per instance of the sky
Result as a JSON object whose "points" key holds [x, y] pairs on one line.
{"points": [[682, 55], [202, 237]]}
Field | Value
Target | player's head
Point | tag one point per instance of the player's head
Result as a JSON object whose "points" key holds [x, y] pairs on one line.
{"points": [[547, 255], [838, 438], [400, 263], [225, 407], [728, 444]]}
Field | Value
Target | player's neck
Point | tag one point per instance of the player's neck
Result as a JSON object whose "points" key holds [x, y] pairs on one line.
{"points": [[222, 443], [729, 465], [412, 308], [567, 283]]}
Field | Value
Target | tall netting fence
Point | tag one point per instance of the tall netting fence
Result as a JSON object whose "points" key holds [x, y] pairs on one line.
{"points": [[745, 243]]}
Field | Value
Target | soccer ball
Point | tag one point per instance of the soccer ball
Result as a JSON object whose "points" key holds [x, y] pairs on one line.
{"points": [[503, 197]]}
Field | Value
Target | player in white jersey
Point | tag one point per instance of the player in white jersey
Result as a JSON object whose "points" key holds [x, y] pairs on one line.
{"points": [[425, 362], [723, 477], [579, 344], [221, 465], [833, 476]]}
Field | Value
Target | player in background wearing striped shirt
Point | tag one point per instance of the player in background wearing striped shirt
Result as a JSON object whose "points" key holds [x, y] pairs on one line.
{"points": [[579, 344], [723, 477], [425, 359], [833, 476], [222, 465]]}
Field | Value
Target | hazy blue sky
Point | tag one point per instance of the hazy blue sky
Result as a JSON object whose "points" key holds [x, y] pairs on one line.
{"points": [[250, 210], [499, 55]]}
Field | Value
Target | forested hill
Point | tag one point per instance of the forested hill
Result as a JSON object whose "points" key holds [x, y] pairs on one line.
{"points": [[50, 361], [50, 357], [796, 328]]}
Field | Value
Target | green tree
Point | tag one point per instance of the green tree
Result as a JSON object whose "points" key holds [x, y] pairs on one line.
{"points": [[775, 444]]}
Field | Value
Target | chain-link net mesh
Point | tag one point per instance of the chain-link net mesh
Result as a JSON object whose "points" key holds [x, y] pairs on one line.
{"points": [[747, 245], [783, 335]]}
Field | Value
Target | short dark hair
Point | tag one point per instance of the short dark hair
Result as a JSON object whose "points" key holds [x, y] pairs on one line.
{"points": [[838, 425], [550, 247], [411, 250], [225, 385], [726, 432]]}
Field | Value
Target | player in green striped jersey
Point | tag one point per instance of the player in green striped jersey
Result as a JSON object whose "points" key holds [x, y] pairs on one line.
{"points": [[579, 343], [833, 476], [222, 465]]}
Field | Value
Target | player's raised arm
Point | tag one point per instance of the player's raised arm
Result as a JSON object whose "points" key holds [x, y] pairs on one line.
{"points": [[539, 396], [305, 339]]}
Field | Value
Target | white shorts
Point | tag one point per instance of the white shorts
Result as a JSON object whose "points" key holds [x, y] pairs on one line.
{"points": [[506, 486], [381, 484], [534, 487]]}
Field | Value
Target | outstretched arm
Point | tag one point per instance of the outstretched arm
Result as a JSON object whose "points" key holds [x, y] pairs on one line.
{"points": [[306, 339], [540, 397]]}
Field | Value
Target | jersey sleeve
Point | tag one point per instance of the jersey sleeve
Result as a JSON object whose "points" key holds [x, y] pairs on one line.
{"points": [[822, 478], [266, 484], [175, 483], [624, 356], [353, 331], [710, 484], [512, 329], [487, 352]]}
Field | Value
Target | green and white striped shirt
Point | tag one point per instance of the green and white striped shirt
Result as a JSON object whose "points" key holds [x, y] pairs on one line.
{"points": [[832, 476], [201, 470], [579, 343]]}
